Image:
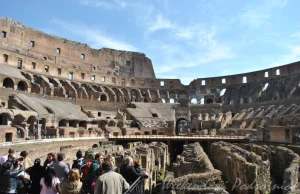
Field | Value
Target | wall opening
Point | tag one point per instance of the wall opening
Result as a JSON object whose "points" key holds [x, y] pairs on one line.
{"points": [[266, 86], [33, 65], [5, 58], [22, 86], [203, 82], [20, 63], [3, 34], [163, 101], [172, 101], [82, 56], [99, 114], [103, 97], [44, 58], [287, 134], [122, 82], [58, 51], [3, 119], [194, 101], [202, 101], [46, 68], [209, 101], [113, 80], [32, 43], [8, 83], [266, 74], [8, 137], [132, 82], [70, 75], [59, 71], [94, 68], [154, 115], [93, 77], [244, 79], [128, 63], [277, 71], [82, 75], [222, 91], [162, 83], [102, 79]]}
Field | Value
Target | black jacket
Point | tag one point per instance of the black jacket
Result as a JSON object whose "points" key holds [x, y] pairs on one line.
{"points": [[129, 173], [8, 179]]}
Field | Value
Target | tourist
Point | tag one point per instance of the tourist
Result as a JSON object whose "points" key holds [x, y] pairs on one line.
{"points": [[112, 160], [128, 172], [137, 166], [51, 158], [72, 185], [79, 162], [36, 172], [61, 169], [4, 158], [49, 182], [26, 161], [9, 171], [110, 182], [91, 171]]}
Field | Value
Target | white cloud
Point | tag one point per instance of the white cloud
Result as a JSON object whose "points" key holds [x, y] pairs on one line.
{"points": [[94, 37], [295, 35], [292, 56], [159, 23], [107, 4], [257, 16]]}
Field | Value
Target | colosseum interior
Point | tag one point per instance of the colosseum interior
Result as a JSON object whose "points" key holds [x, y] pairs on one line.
{"points": [[60, 95]]}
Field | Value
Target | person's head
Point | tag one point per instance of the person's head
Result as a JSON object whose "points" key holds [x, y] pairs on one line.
{"points": [[51, 157], [11, 157], [16, 163], [79, 154], [9, 164], [60, 157], [112, 160], [74, 175], [106, 166], [128, 160], [37, 162], [137, 164], [24, 154], [49, 175], [99, 157], [11, 151]]}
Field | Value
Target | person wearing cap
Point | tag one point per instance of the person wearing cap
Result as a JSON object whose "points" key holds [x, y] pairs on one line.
{"points": [[110, 182]]}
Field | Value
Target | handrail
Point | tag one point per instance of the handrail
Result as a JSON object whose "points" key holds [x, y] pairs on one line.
{"points": [[137, 187]]}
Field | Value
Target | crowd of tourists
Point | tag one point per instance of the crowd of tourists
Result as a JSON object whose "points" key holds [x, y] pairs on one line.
{"points": [[18, 175]]}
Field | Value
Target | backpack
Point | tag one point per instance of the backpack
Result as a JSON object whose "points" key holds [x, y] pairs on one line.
{"points": [[86, 170]]}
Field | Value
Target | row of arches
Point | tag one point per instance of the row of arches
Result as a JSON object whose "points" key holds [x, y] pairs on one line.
{"points": [[9, 83]]}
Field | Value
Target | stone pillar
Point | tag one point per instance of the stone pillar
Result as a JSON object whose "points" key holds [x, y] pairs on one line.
{"points": [[39, 131], [67, 124], [26, 127], [77, 125]]}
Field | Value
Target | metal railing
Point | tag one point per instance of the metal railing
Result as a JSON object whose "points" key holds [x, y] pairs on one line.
{"points": [[138, 187]]}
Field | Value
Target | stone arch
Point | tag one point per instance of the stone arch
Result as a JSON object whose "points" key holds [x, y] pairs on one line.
{"points": [[118, 93], [103, 98], [22, 85], [62, 123], [8, 83], [164, 96], [112, 123], [154, 96], [110, 93], [183, 98], [181, 126], [83, 124], [126, 95], [134, 95], [4, 117], [295, 121]]}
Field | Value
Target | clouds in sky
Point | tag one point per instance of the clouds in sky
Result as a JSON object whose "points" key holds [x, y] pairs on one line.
{"points": [[195, 39]]}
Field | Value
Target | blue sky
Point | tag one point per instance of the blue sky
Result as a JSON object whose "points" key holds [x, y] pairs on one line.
{"points": [[184, 39]]}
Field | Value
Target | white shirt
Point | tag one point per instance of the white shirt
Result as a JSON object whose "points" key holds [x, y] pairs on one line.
{"points": [[49, 190]]}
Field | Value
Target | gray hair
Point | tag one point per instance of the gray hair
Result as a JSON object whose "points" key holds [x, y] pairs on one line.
{"points": [[128, 160]]}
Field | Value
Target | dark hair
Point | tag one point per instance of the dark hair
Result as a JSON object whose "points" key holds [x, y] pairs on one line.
{"points": [[10, 157], [8, 164], [60, 157], [24, 154], [98, 155], [106, 166], [11, 151], [49, 175], [79, 154]]}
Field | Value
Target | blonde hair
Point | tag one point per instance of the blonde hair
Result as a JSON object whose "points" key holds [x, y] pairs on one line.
{"points": [[74, 175], [112, 160], [137, 164]]}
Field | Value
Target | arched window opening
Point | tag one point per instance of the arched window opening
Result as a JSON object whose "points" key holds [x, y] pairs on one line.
{"points": [[209, 101], [103, 98], [172, 101], [3, 119], [163, 100], [22, 86], [194, 101], [8, 83], [202, 101], [266, 86]]}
